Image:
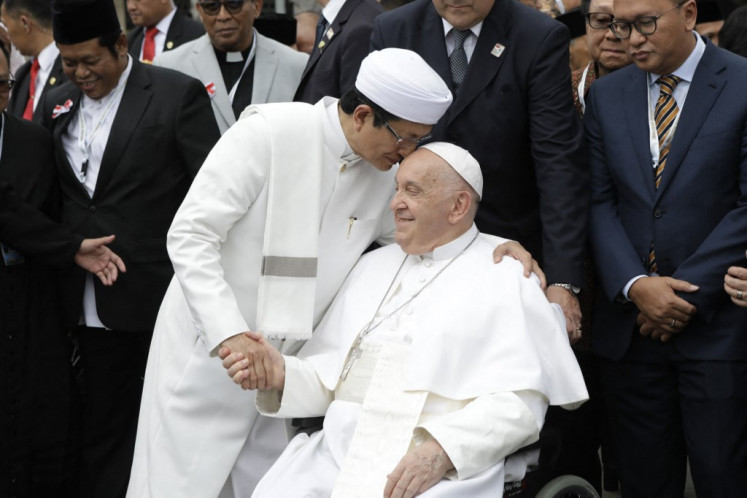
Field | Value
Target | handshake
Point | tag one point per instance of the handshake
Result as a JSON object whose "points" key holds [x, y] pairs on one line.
{"points": [[252, 362]]}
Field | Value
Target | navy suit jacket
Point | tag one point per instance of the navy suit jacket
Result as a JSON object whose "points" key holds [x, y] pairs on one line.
{"points": [[698, 215], [332, 70], [162, 132], [515, 114], [181, 30], [20, 95]]}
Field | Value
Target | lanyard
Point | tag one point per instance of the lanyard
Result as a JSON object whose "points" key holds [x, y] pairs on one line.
{"points": [[249, 59], [85, 147], [653, 137], [581, 86]]}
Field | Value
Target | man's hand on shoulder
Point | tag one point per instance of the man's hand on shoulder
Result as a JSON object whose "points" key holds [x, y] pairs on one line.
{"points": [[663, 312], [252, 362], [95, 257], [419, 470], [515, 250]]}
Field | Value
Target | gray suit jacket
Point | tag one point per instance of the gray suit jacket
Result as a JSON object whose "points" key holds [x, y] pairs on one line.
{"points": [[277, 72]]}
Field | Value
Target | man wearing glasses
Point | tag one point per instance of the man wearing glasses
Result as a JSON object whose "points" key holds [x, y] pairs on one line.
{"points": [[237, 65], [160, 26], [668, 148]]}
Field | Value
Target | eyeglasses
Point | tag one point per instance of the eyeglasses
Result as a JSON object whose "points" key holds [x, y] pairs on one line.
{"points": [[401, 141], [599, 20], [6, 85], [645, 25], [212, 7]]}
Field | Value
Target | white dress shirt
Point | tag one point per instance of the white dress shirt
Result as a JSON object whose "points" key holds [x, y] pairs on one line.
{"points": [[160, 39], [46, 60], [469, 42]]}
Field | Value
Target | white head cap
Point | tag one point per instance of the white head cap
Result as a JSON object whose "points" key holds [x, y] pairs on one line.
{"points": [[402, 83], [461, 161]]}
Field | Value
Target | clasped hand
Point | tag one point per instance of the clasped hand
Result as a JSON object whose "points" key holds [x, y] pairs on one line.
{"points": [[252, 362], [662, 312]]}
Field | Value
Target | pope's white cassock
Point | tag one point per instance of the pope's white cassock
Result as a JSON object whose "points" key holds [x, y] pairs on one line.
{"points": [[193, 420], [473, 361]]}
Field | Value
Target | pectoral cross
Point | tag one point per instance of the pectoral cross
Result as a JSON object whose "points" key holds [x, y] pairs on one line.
{"points": [[356, 351]]}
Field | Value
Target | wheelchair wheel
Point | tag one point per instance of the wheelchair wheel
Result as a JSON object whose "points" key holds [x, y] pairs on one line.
{"points": [[567, 487]]}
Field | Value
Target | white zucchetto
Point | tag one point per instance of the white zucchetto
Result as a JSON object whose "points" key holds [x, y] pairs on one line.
{"points": [[461, 161], [402, 83]]}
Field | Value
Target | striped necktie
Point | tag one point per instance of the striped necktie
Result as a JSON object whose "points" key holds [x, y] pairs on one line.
{"points": [[665, 115]]}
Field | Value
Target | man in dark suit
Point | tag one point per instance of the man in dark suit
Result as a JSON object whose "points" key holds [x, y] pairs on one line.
{"points": [[159, 26], [513, 110], [29, 25], [342, 43], [128, 140], [668, 149]]}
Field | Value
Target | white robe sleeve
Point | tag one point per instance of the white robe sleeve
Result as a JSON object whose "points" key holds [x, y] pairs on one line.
{"points": [[224, 189], [486, 430], [303, 394]]}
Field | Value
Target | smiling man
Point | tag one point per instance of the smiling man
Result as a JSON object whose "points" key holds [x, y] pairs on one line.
{"points": [[237, 65], [668, 137], [128, 139], [426, 389]]}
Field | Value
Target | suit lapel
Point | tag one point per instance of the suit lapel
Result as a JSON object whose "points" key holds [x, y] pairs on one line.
{"points": [[334, 29], [433, 48], [702, 94], [56, 78], [635, 105], [174, 34], [265, 65], [61, 124], [135, 100], [208, 71], [483, 65]]}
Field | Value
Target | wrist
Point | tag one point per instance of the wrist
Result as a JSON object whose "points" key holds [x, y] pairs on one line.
{"points": [[574, 290]]}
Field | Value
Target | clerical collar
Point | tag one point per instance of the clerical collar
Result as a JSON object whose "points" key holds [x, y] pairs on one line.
{"points": [[334, 137], [451, 249], [232, 57]]}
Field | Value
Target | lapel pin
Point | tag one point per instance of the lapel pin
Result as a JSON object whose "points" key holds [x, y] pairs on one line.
{"points": [[210, 87], [52, 80], [497, 50], [330, 33], [321, 45], [169, 45], [61, 109]]}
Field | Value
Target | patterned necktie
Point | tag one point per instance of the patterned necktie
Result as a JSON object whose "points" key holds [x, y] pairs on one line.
{"points": [[149, 47], [458, 58], [28, 113], [665, 115]]}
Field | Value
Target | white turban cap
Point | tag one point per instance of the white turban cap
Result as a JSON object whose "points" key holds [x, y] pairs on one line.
{"points": [[402, 83], [461, 161]]}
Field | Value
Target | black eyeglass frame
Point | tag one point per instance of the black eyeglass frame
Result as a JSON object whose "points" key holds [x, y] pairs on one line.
{"points": [[236, 6], [616, 26], [592, 24], [416, 142], [9, 83]]}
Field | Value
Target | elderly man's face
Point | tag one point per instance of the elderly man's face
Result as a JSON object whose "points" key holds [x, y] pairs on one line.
{"points": [[379, 145], [604, 47], [230, 31], [422, 203], [463, 14], [668, 47]]}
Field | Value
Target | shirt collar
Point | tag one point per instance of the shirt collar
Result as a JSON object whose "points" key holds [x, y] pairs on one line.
{"points": [[687, 70], [453, 248], [334, 137], [163, 24], [474, 29], [47, 56], [331, 10]]}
